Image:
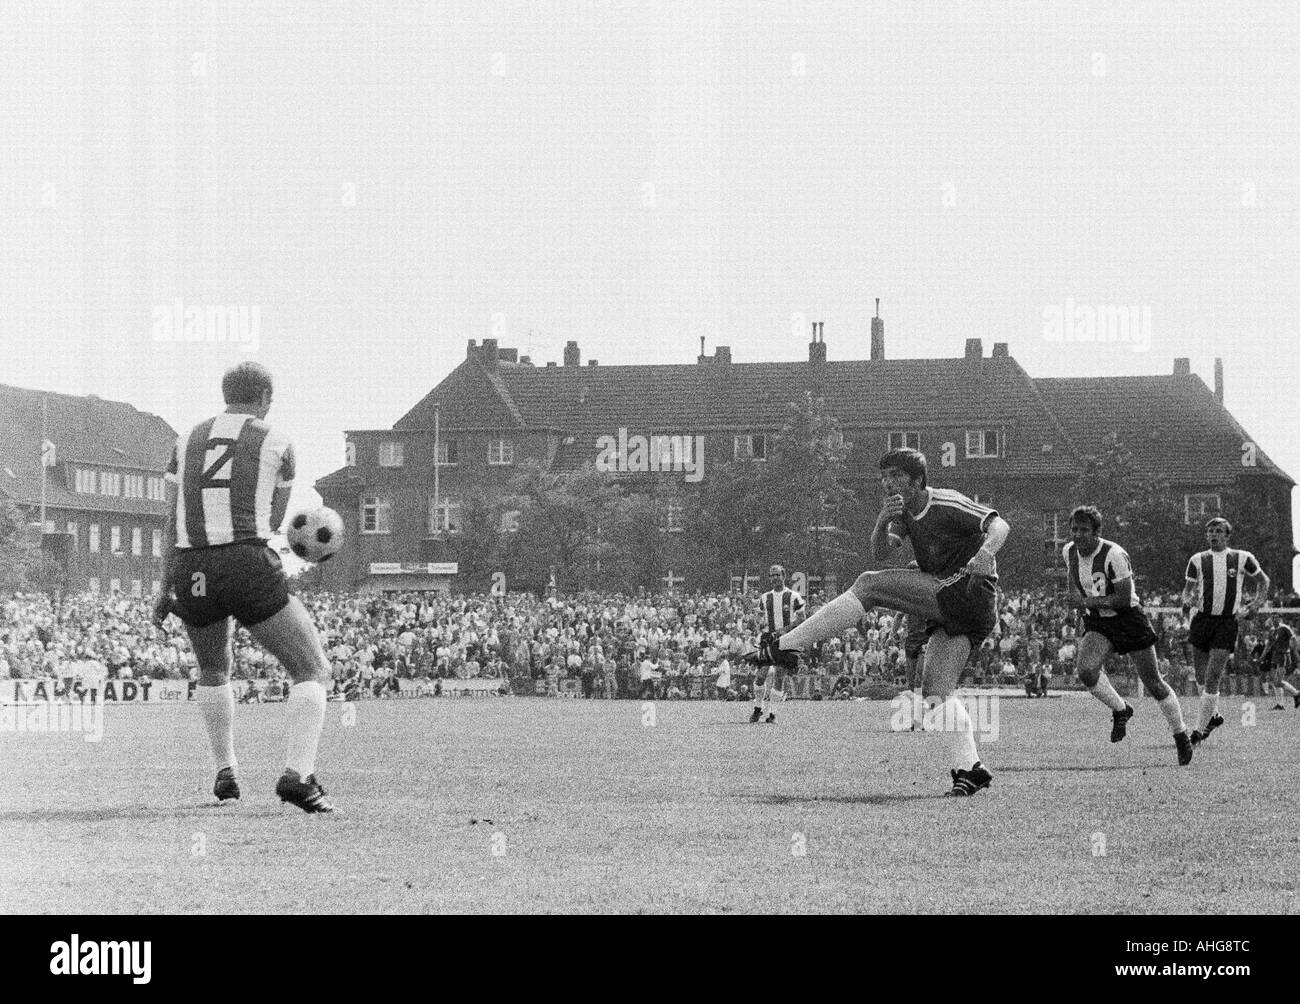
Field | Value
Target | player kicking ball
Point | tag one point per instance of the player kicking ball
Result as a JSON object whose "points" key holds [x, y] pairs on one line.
{"points": [[953, 590], [1216, 580], [1100, 584], [228, 488]]}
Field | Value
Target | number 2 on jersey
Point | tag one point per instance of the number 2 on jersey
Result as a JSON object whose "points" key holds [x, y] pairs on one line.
{"points": [[216, 471]]}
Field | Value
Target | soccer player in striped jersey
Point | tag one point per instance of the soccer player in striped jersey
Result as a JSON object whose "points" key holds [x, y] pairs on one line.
{"points": [[780, 609], [1100, 583], [954, 590], [1216, 581], [228, 488]]}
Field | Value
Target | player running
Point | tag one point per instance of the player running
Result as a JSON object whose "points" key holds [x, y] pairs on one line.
{"points": [[1281, 656], [954, 590], [781, 608], [228, 487], [1216, 580], [1100, 583]]}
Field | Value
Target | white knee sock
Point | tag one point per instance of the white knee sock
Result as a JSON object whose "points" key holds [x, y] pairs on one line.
{"points": [[306, 715], [218, 707], [1173, 712], [838, 615], [1209, 705], [1104, 692], [961, 734]]}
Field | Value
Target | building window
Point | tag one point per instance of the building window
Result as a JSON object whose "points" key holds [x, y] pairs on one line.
{"points": [[93, 540], [133, 486], [447, 453], [157, 489], [1056, 534], [350, 453], [670, 518], [444, 516], [375, 514], [750, 447], [115, 540], [114, 586], [73, 531], [137, 588], [84, 481], [743, 582], [672, 580], [137, 544], [900, 440], [110, 483], [157, 543], [1197, 507], [92, 584], [982, 444], [501, 452], [390, 454]]}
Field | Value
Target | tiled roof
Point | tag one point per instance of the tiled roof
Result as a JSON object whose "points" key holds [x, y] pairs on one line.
{"points": [[1172, 424], [85, 429]]}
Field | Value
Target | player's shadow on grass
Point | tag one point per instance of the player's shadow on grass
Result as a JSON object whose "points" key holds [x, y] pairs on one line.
{"points": [[877, 799], [1086, 768]]}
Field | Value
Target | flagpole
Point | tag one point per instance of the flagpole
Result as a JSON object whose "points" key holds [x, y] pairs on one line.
{"points": [[45, 400]]}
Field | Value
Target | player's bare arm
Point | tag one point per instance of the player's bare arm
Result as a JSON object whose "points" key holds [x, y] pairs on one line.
{"points": [[995, 535], [883, 539], [1259, 584], [279, 506]]}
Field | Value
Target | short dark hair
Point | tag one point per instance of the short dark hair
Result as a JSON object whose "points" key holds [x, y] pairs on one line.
{"points": [[244, 383], [1090, 513], [1220, 521], [910, 462]]}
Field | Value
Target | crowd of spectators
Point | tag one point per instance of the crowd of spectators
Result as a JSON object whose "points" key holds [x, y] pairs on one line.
{"points": [[610, 645]]}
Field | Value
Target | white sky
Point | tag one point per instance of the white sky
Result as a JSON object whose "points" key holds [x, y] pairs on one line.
{"points": [[382, 183]]}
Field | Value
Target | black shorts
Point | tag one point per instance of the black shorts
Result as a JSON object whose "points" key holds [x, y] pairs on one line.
{"points": [[1128, 631], [972, 614], [1211, 632], [244, 581]]}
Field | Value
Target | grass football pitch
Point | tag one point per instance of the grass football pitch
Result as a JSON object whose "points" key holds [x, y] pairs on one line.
{"points": [[536, 805]]}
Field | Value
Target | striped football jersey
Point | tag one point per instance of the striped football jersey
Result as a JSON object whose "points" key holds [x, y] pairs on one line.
{"points": [[1098, 573], [1218, 576], [227, 470], [779, 608]]}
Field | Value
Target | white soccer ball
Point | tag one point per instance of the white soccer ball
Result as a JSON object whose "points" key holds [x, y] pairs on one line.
{"points": [[315, 535]]}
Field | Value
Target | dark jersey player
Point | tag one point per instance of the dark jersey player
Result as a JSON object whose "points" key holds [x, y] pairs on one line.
{"points": [[228, 487], [1216, 584], [1099, 582], [1279, 659], [954, 540]]}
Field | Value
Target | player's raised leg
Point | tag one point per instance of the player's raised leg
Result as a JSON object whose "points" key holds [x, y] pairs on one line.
{"points": [[1093, 649], [290, 636], [907, 590], [945, 658], [216, 701]]}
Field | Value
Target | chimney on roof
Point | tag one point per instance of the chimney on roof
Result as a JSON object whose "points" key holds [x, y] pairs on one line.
{"points": [[508, 355], [722, 355], [550, 366], [525, 361], [877, 334], [571, 355], [1218, 380], [1000, 350], [490, 353], [974, 348], [701, 359], [1182, 367], [470, 349], [591, 362], [817, 347]]}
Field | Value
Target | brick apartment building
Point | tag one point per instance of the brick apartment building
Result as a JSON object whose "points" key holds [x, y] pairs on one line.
{"points": [[987, 428], [103, 470]]}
